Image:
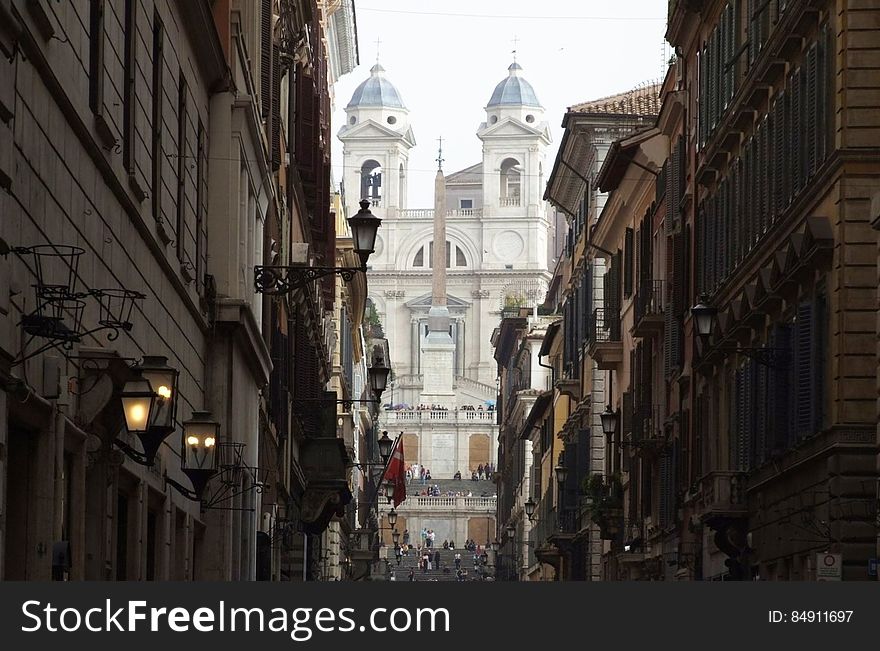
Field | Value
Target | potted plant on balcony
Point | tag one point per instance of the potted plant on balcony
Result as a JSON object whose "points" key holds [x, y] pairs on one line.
{"points": [[604, 500]]}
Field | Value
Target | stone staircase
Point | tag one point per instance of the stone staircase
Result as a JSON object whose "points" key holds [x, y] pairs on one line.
{"points": [[447, 559]]}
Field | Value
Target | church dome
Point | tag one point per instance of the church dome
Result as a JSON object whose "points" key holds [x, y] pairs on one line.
{"points": [[376, 92], [514, 90]]}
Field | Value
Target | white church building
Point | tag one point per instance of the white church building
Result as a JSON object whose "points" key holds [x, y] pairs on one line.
{"points": [[498, 240]]}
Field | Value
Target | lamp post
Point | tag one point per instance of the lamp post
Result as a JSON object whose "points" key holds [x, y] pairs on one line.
{"points": [[511, 536], [200, 443], [392, 518], [608, 419], [286, 279], [385, 445], [149, 403], [704, 314], [530, 507]]}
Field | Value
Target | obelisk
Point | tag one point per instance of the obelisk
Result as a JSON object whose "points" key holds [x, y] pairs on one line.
{"points": [[438, 349]]}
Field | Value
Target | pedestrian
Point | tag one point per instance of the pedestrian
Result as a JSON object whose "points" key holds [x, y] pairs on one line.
{"points": [[406, 536], [412, 574], [422, 475], [480, 471], [437, 559], [424, 536], [457, 561]]}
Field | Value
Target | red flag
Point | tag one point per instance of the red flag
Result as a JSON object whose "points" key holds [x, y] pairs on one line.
{"points": [[395, 473]]}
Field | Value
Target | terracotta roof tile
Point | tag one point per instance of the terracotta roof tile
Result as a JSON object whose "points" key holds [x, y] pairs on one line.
{"points": [[638, 101]]}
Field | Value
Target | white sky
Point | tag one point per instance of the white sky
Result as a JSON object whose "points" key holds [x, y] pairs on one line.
{"points": [[445, 58]]}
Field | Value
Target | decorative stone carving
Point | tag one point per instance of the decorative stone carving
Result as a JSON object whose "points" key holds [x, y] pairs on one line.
{"points": [[395, 293], [480, 293]]}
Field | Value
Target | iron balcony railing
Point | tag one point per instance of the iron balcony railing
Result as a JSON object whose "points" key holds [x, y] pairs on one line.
{"points": [[650, 299], [647, 424], [603, 327]]}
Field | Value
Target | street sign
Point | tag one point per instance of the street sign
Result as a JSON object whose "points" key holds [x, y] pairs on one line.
{"points": [[829, 567]]}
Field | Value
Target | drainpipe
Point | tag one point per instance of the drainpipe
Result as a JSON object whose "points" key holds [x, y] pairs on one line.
{"points": [[61, 404]]}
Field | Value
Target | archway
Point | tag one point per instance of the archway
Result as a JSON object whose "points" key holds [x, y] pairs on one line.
{"points": [[511, 174], [371, 181]]}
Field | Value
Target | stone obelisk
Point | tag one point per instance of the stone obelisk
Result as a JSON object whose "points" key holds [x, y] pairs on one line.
{"points": [[438, 349]]}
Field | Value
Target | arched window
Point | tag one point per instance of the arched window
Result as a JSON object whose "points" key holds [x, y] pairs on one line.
{"points": [[401, 188], [459, 256], [511, 173], [371, 181]]}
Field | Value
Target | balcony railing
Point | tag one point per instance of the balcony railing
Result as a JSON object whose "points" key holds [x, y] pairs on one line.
{"points": [[603, 338], [419, 503], [508, 202], [440, 416], [649, 306], [428, 213], [603, 327], [647, 426], [723, 495]]}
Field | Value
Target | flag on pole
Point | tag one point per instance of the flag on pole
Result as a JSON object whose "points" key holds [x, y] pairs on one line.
{"points": [[395, 472]]}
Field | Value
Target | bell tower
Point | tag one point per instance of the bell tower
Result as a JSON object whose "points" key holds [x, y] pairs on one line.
{"points": [[376, 141]]}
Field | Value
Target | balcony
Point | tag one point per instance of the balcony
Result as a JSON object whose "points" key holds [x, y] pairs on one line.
{"points": [[428, 213], [508, 202], [603, 339], [649, 306], [723, 496], [449, 416], [647, 429], [445, 504]]}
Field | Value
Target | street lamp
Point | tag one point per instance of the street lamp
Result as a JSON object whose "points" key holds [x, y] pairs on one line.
{"points": [[561, 475], [608, 419], [530, 507], [496, 546], [378, 374], [704, 317], [364, 226], [385, 445], [395, 536], [149, 404], [511, 530], [389, 492], [200, 442], [392, 518]]}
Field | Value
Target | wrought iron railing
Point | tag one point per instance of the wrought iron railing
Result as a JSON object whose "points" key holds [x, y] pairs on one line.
{"points": [[603, 327], [650, 299]]}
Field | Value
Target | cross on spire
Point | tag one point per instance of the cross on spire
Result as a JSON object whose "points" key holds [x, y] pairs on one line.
{"points": [[440, 158], [515, 43], [378, 43]]}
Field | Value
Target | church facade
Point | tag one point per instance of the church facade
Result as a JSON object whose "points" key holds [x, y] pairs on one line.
{"points": [[495, 237]]}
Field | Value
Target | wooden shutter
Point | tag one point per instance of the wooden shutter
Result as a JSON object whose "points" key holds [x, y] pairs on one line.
{"points": [[804, 371], [275, 118], [266, 58], [628, 260], [795, 126], [811, 111], [820, 356], [780, 176]]}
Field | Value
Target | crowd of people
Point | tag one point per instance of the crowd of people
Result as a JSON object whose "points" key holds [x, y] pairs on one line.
{"points": [[432, 407], [430, 559]]}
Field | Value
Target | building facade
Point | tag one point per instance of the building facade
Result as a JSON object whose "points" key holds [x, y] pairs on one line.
{"points": [[741, 374], [164, 149]]}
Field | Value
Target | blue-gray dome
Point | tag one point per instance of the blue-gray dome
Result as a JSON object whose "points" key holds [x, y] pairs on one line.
{"points": [[376, 92], [514, 91]]}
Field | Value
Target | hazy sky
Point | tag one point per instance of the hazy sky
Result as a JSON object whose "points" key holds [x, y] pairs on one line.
{"points": [[446, 57]]}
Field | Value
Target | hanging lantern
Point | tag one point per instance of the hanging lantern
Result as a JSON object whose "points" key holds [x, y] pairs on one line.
{"points": [[200, 444]]}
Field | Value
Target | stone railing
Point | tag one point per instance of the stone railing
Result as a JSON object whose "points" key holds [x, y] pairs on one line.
{"points": [[432, 415], [445, 503], [484, 389], [508, 202], [428, 213]]}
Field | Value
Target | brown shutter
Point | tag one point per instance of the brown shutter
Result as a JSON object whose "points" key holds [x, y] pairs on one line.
{"points": [[275, 118], [266, 58]]}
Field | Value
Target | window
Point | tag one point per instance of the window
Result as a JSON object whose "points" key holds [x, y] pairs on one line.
{"points": [[530, 118], [391, 119], [419, 260], [128, 90], [180, 229], [201, 200], [96, 55], [157, 156], [460, 260], [466, 204]]}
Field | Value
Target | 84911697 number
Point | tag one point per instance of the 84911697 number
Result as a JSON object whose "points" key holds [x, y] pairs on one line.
{"points": [[821, 616]]}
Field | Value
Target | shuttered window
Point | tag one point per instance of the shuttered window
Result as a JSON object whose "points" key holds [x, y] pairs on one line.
{"points": [[628, 262], [266, 58]]}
